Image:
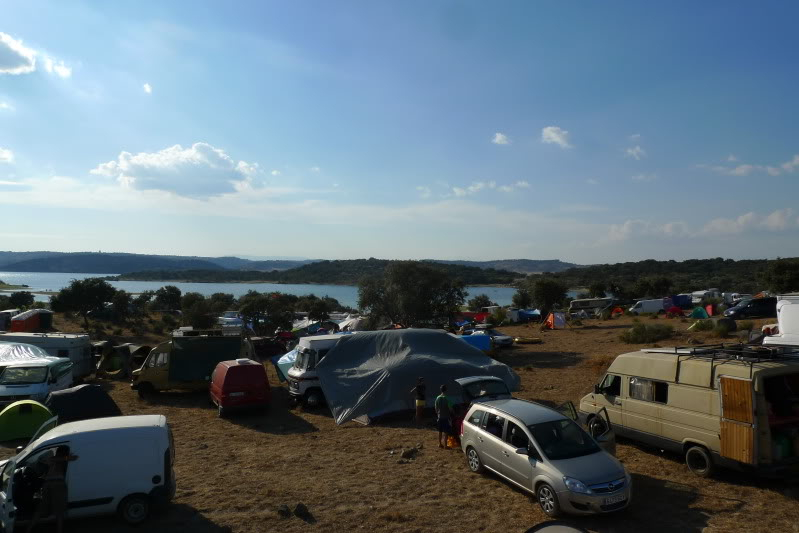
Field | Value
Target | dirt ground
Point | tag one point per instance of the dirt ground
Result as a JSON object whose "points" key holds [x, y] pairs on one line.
{"points": [[233, 474]]}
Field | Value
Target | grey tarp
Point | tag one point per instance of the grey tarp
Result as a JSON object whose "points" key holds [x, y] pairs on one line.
{"points": [[15, 352], [81, 403], [371, 374]]}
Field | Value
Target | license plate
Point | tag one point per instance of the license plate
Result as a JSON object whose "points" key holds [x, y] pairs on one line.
{"points": [[614, 499], [237, 394]]}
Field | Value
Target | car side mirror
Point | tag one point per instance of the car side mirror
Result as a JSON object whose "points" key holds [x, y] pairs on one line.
{"points": [[522, 451], [19, 449], [597, 389]]}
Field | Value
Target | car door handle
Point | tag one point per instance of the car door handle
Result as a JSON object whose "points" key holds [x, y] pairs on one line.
{"points": [[506, 454], [480, 439]]}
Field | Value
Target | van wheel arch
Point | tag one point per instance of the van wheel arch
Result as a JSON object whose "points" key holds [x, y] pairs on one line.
{"points": [[698, 459], [314, 397], [145, 389], [134, 508]]}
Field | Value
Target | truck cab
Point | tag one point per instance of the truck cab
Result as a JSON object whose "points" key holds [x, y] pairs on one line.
{"points": [[302, 377]]}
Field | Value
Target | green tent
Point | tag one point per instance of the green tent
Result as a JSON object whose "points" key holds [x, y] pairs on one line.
{"points": [[698, 312], [21, 419]]}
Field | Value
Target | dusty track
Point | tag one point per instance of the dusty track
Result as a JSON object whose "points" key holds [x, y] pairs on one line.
{"points": [[234, 473]]}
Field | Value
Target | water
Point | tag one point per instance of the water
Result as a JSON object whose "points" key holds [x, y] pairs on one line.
{"points": [[345, 294]]}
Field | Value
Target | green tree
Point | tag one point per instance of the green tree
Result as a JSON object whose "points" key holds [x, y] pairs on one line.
{"points": [[480, 301], [121, 305], [141, 301], [83, 296], [412, 294], [167, 298], [782, 275], [661, 286], [197, 312], [268, 312], [221, 302], [190, 298], [22, 299], [522, 298], [642, 288], [597, 289], [548, 292]]}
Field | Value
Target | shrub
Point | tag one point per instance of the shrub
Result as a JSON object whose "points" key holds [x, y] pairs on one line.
{"points": [[605, 315], [118, 331], [703, 325], [577, 322], [746, 325], [653, 316], [169, 321], [721, 330], [646, 333]]}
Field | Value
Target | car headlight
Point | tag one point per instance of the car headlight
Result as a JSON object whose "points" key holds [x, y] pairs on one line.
{"points": [[575, 485]]}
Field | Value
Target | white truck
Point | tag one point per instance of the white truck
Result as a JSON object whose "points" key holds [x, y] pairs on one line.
{"points": [[699, 297], [658, 305], [74, 346], [302, 377], [787, 330]]}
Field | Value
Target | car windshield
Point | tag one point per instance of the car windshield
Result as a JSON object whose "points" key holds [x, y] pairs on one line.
{"points": [[17, 375], [486, 388], [563, 439]]}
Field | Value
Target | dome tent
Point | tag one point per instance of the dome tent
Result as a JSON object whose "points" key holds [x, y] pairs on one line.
{"points": [[22, 419]]}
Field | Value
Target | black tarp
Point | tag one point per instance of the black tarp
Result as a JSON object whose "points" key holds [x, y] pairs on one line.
{"points": [[194, 358], [81, 403], [371, 373]]}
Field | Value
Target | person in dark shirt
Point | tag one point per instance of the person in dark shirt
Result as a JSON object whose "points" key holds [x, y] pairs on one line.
{"points": [[420, 392], [443, 415]]}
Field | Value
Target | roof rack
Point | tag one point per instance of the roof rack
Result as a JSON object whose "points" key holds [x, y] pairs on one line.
{"points": [[748, 354]]}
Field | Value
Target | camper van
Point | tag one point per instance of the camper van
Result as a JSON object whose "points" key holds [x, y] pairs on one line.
{"points": [[658, 305], [6, 316], [75, 347], [787, 322], [590, 305], [717, 405], [700, 297], [33, 378], [123, 466], [302, 377], [186, 361]]}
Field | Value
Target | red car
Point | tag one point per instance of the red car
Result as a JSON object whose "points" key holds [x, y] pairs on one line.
{"points": [[238, 384]]}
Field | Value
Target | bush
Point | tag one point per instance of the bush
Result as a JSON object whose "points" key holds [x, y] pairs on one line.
{"points": [[653, 316], [118, 332], [746, 325], [646, 333], [498, 317], [169, 321], [721, 330], [605, 315], [703, 325]]}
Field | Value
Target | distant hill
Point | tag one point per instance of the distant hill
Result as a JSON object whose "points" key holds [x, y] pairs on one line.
{"points": [[343, 272], [97, 263], [522, 266]]}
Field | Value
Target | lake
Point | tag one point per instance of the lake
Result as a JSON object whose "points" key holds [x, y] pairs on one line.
{"points": [[345, 294]]}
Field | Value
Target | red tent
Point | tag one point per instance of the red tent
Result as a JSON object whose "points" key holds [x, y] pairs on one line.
{"points": [[674, 310]]}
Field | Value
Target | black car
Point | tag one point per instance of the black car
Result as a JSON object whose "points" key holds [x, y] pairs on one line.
{"points": [[754, 308]]}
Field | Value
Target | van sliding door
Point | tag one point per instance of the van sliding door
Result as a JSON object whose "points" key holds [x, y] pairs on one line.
{"points": [[737, 419]]}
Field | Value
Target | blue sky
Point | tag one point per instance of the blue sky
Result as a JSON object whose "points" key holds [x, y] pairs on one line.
{"points": [[589, 132]]}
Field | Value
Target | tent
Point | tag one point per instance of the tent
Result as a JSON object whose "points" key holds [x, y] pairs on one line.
{"points": [[353, 323], [674, 310], [709, 308], [284, 362], [555, 321], [368, 375], [81, 403], [698, 312], [22, 419]]}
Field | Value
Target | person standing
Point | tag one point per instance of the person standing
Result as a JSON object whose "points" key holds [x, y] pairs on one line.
{"points": [[420, 392], [54, 490], [443, 415]]}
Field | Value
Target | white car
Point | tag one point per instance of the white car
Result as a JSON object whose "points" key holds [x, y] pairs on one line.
{"points": [[230, 318], [499, 339]]}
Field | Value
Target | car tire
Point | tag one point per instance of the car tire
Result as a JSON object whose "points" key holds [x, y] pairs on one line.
{"points": [[547, 500], [474, 461], [145, 390], [699, 461], [313, 399], [596, 427], [134, 509]]}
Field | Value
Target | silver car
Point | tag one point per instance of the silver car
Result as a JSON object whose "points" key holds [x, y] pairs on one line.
{"points": [[547, 454]]}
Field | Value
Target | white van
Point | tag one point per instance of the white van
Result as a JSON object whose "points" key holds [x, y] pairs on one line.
{"points": [[302, 378], [699, 297], [33, 379], [76, 347], [124, 465], [5, 318], [788, 322], [651, 306]]}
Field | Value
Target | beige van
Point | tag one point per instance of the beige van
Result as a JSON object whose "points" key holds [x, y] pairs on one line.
{"points": [[718, 405]]}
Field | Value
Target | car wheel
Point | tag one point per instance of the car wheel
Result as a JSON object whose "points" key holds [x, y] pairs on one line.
{"points": [[548, 500], [597, 426], [313, 399], [134, 509], [473, 460], [699, 461], [145, 390]]}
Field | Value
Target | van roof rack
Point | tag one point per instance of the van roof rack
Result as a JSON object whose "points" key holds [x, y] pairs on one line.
{"points": [[748, 354]]}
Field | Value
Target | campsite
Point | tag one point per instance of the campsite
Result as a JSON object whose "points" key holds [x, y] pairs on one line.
{"points": [[234, 474]]}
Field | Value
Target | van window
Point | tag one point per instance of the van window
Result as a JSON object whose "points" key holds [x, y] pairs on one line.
{"points": [[648, 390], [611, 385], [494, 424], [638, 305], [516, 436], [159, 360], [476, 417], [5, 477]]}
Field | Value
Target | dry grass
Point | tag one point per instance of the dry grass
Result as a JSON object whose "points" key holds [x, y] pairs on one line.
{"points": [[234, 473]]}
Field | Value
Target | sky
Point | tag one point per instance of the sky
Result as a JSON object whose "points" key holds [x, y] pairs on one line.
{"points": [[590, 132]]}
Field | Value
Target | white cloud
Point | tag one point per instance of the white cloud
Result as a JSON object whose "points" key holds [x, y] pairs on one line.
{"points": [[500, 138], [147, 88], [15, 58], [198, 171], [424, 192], [789, 166], [555, 135], [746, 169], [315, 169], [477, 186], [636, 152], [644, 177], [6, 155], [275, 173], [732, 158], [58, 68], [635, 137], [505, 188], [5, 106], [778, 220], [592, 181], [522, 184]]}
